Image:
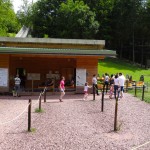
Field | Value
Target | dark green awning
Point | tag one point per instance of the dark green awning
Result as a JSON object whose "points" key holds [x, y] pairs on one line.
{"points": [[18, 50]]}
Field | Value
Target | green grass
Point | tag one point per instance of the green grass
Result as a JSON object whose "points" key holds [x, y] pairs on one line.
{"points": [[37, 110], [113, 66], [139, 94], [33, 130]]}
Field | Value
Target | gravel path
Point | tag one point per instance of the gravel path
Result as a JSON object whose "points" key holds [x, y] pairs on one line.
{"points": [[74, 124]]}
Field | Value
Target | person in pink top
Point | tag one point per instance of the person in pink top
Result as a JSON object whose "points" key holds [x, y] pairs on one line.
{"points": [[62, 88]]}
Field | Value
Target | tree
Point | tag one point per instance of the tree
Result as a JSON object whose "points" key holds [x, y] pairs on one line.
{"points": [[75, 20], [24, 13], [103, 10], [60, 19], [8, 19], [126, 14], [43, 17]]}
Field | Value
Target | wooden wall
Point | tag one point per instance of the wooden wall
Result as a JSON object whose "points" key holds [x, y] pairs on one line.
{"points": [[90, 64], [43, 64], [52, 45], [40, 65], [4, 63]]}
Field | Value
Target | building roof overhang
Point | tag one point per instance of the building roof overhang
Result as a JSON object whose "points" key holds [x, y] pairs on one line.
{"points": [[49, 51]]}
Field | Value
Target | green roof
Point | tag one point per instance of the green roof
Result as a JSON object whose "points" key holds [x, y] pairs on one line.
{"points": [[18, 50]]}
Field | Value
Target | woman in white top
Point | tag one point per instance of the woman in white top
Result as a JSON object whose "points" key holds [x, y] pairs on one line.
{"points": [[94, 81]]}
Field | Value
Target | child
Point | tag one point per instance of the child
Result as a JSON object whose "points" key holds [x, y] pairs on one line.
{"points": [[111, 91], [86, 91], [62, 88]]}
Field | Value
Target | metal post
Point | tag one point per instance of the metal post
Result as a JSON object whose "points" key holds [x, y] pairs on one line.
{"points": [[40, 101], [135, 90], [93, 91], [45, 95], [127, 84], [29, 115], [143, 92], [116, 113], [102, 108]]}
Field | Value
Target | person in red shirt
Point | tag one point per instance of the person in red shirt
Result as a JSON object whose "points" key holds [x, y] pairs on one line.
{"points": [[62, 88]]}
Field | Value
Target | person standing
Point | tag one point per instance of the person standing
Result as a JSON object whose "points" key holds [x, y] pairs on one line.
{"points": [[86, 87], [106, 81], [94, 82], [116, 86], [121, 84], [62, 88], [17, 85]]}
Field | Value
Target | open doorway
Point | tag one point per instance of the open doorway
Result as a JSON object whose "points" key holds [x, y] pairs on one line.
{"points": [[22, 74]]}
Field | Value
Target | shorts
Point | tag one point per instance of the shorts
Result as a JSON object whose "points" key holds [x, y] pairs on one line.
{"points": [[61, 90], [85, 92]]}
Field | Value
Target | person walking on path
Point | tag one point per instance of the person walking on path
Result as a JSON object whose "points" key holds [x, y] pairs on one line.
{"points": [[106, 81], [17, 85], [111, 91], [121, 84], [116, 86], [86, 87], [62, 88], [94, 81]]}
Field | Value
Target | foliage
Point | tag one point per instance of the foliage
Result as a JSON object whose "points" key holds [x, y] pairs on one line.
{"points": [[75, 20], [24, 13], [61, 19], [128, 29], [43, 17], [8, 19], [103, 10]]}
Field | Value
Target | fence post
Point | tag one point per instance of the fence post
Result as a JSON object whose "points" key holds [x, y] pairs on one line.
{"points": [[116, 113], [29, 115], [135, 90], [93, 91], [45, 95], [102, 108], [127, 84], [40, 101], [143, 92]]}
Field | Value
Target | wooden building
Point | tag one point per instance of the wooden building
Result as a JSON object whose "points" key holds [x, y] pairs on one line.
{"points": [[37, 59]]}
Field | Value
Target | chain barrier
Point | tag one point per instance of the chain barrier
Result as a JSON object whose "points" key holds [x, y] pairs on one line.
{"points": [[7, 122], [135, 148]]}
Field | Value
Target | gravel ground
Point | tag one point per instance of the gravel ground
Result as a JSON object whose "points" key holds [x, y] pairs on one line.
{"points": [[74, 124]]}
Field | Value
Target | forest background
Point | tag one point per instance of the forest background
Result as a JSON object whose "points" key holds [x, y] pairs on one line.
{"points": [[123, 24]]}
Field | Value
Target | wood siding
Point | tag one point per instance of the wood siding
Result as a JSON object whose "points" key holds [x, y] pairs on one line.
{"points": [[42, 64], [90, 64], [53, 45], [39, 65]]}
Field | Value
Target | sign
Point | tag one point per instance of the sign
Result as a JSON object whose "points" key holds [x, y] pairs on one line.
{"points": [[80, 77], [3, 77], [33, 76]]}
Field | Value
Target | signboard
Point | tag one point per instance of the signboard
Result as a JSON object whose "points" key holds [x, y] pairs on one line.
{"points": [[33, 76], [3, 77], [80, 77]]}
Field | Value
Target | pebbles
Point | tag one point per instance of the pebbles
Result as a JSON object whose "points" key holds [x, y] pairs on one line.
{"points": [[75, 124]]}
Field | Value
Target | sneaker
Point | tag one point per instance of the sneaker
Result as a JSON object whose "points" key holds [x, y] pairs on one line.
{"points": [[60, 100]]}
